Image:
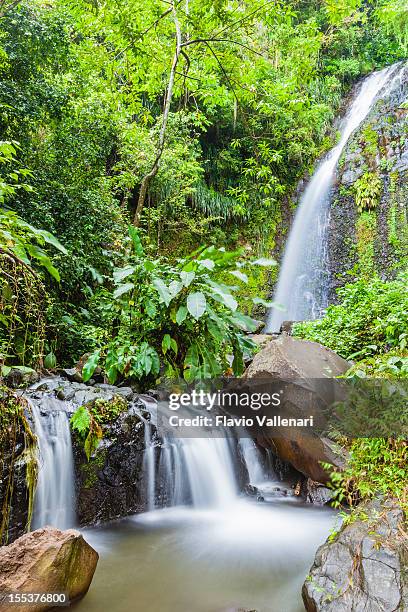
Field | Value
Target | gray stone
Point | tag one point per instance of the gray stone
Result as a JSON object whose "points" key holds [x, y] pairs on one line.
{"points": [[364, 568]]}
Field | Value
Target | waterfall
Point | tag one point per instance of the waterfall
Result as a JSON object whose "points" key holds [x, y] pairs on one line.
{"points": [[252, 460], [55, 493], [202, 471], [302, 287]]}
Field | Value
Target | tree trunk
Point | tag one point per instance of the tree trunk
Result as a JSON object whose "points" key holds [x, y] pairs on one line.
{"points": [[144, 187]]}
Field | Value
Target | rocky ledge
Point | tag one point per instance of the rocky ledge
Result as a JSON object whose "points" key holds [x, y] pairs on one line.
{"points": [[364, 568]]}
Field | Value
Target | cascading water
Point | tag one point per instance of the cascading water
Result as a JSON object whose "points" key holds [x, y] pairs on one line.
{"points": [[55, 493], [302, 287], [201, 471]]}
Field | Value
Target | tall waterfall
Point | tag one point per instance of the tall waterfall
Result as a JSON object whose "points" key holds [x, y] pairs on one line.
{"points": [[304, 277], [55, 493]]}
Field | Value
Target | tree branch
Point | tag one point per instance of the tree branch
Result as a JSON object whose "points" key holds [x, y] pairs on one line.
{"points": [[162, 135]]}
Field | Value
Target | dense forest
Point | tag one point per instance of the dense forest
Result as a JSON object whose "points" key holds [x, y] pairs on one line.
{"points": [[153, 154]]}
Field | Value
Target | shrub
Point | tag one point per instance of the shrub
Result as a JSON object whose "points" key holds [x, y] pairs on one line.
{"points": [[372, 317]]}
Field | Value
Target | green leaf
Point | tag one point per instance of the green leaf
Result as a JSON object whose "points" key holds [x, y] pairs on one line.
{"points": [[50, 361], [209, 264], [5, 370], [265, 262], [51, 239], [121, 273], [43, 259], [162, 290], [240, 275], [122, 289], [175, 287], [166, 342], [225, 298], [173, 346], [81, 420], [196, 304], [181, 314], [90, 365], [192, 356], [215, 331], [187, 278], [137, 244], [150, 308], [244, 322]]}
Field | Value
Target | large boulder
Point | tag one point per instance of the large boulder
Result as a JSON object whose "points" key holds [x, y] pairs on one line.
{"points": [[365, 568], [47, 561], [288, 358]]}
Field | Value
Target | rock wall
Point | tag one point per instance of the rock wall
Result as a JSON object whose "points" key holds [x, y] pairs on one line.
{"points": [[368, 220]]}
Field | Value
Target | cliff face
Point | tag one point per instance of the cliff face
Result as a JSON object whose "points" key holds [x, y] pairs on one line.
{"points": [[368, 220]]}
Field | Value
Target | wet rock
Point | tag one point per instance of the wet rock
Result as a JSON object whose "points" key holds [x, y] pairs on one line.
{"points": [[286, 327], [21, 377], [16, 471], [378, 146], [290, 358], [47, 561], [364, 568], [72, 374], [112, 483], [316, 493]]}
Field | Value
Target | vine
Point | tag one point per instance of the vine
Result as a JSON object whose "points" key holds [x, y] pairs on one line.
{"points": [[14, 426], [22, 303]]}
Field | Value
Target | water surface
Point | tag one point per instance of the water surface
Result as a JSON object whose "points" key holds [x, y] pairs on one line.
{"points": [[251, 556]]}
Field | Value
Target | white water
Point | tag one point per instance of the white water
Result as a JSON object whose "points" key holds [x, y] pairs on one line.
{"points": [[55, 493], [302, 287]]}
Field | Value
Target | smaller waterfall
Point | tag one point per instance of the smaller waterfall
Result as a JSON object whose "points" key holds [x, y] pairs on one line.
{"points": [[55, 493], [149, 465], [202, 471], [252, 459], [210, 471]]}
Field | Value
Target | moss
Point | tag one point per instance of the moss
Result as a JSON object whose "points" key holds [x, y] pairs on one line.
{"points": [[13, 426], [369, 137], [90, 470], [366, 231], [397, 221]]}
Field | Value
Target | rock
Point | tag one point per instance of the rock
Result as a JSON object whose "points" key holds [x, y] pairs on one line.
{"points": [[286, 327], [261, 339], [285, 356], [47, 561], [315, 493], [20, 376], [72, 374], [364, 568], [290, 358], [379, 145], [112, 483]]}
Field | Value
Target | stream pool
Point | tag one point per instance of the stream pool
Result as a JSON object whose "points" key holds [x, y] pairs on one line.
{"points": [[250, 556]]}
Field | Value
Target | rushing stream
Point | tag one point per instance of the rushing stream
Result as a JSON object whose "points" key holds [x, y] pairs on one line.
{"points": [[303, 282], [211, 549]]}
